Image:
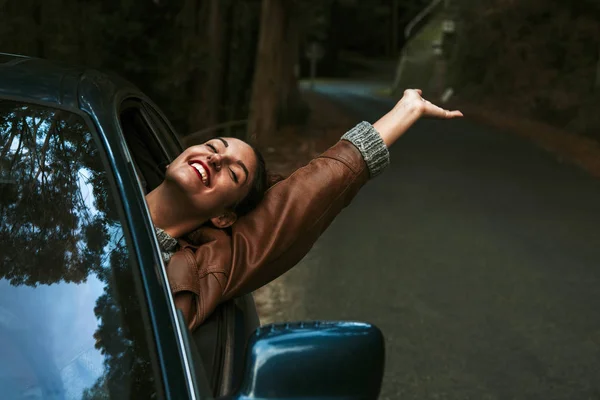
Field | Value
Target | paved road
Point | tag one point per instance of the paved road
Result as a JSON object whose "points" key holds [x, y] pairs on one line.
{"points": [[477, 254]]}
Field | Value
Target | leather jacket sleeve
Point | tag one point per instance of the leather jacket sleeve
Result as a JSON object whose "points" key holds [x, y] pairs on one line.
{"points": [[271, 239], [292, 217]]}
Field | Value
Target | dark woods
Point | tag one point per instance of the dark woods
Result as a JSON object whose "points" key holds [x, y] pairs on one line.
{"points": [[196, 58], [540, 58], [179, 53], [210, 61], [205, 61]]}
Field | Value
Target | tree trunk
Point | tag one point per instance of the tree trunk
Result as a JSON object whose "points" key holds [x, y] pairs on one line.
{"points": [[290, 103], [208, 83], [395, 31], [227, 106], [267, 82], [191, 18], [212, 99], [597, 83]]}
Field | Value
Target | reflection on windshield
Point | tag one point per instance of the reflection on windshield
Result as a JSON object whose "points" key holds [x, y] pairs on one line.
{"points": [[70, 320]]}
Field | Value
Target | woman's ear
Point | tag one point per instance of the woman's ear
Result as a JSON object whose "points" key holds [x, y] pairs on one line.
{"points": [[225, 220]]}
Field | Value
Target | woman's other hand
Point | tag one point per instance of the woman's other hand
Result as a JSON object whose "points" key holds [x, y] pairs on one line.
{"points": [[413, 99], [406, 112]]}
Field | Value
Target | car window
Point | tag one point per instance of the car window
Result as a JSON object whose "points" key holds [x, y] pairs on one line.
{"points": [[148, 155], [71, 319], [152, 145], [169, 139]]}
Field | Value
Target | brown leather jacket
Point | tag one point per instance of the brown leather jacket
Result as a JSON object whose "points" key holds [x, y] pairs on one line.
{"points": [[214, 266]]}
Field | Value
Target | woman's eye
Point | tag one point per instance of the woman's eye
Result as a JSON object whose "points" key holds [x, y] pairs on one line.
{"points": [[213, 148], [233, 176]]}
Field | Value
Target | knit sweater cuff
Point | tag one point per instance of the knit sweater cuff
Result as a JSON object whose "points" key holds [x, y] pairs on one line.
{"points": [[167, 244], [370, 144]]}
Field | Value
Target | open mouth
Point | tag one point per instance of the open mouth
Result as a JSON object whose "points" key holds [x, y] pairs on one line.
{"points": [[202, 171]]}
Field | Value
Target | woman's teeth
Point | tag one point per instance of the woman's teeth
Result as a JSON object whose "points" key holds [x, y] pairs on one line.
{"points": [[202, 172]]}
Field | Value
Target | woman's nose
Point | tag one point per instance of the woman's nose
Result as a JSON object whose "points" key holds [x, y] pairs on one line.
{"points": [[215, 160]]}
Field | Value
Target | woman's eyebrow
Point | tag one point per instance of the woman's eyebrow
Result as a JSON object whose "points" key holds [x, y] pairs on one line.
{"points": [[244, 168], [241, 163], [223, 140]]}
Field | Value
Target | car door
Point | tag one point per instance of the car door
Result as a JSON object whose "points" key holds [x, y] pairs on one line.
{"points": [[220, 342]]}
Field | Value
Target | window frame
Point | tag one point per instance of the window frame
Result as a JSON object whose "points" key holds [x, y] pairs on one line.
{"points": [[229, 314], [160, 129], [155, 118]]}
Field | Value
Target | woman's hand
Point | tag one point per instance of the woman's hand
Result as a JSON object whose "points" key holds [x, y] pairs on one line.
{"points": [[406, 112], [413, 99]]}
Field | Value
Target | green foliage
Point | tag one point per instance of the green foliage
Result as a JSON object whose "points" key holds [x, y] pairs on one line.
{"points": [[537, 57]]}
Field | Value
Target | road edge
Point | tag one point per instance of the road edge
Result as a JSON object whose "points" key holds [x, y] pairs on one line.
{"points": [[569, 147]]}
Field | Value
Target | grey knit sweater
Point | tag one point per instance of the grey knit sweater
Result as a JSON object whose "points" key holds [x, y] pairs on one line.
{"points": [[370, 144], [366, 139]]}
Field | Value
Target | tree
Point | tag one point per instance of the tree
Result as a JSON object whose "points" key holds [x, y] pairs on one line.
{"points": [[275, 96], [210, 86], [49, 232], [522, 55], [120, 337], [267, 84]]}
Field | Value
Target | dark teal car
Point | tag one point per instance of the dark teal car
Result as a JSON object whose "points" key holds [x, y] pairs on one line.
{"points": [[85, 307]]}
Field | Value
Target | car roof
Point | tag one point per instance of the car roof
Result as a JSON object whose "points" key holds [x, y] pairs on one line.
{"points": [[41, 81]]}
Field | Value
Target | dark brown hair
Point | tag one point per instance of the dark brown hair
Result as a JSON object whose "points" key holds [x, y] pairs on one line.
{"points": [[261, 182]]}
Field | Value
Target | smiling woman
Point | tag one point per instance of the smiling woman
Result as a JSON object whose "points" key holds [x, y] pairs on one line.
{"points": [[215, 182]]}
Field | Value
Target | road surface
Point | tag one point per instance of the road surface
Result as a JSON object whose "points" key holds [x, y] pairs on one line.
{"points": [[476, 253]]}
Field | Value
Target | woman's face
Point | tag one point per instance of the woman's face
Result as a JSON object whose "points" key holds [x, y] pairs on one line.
{"points": [[214, 176]]}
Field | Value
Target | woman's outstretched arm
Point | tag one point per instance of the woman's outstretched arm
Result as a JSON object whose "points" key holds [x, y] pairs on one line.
{"points": [[406, 112], [294, 213]]}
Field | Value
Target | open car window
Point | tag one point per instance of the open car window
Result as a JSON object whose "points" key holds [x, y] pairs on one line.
{"points": [[151, 142], [148, 143], [149, 157], [71, 318], [147, 137]]}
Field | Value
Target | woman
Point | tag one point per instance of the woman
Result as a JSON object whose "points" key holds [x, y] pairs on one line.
{"points": [[209, 265], [215, 183]]}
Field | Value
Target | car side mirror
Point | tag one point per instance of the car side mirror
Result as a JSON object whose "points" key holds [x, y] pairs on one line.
{"points": [[310, 360]]}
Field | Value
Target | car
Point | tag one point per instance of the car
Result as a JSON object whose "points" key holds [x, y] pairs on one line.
{"points": [[85, 306]]}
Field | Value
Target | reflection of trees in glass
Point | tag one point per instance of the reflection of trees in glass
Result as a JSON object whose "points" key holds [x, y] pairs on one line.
{"points": [[124, 356], [58, 223], [50, 233]]}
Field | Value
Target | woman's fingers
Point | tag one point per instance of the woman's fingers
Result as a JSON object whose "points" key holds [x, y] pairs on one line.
{"points": [[455, 113], [450, 114], [414, 98], [432, 110]]}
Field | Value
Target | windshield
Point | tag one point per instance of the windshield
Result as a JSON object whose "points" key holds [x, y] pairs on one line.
{"points": [[71, 323]]}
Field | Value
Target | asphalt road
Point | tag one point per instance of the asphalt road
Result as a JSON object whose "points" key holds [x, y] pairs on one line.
{"points": [[478, 256]]}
